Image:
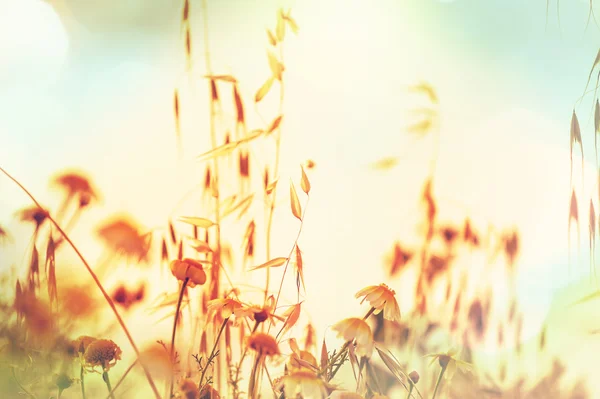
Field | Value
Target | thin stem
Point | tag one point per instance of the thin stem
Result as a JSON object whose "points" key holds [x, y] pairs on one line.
{"points": [[175, 320], [215, 184], [438, 382], [412, 385], [275, 173], [212, 353], [122, 378], [107, 381], [237, 372], [253, 377], [81, 377], [290, 254], [94, 277]]}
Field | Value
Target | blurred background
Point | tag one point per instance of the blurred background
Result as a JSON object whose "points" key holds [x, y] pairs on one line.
{"points": [[89, 87]]}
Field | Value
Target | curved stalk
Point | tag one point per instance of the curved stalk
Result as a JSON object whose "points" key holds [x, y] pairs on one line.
{"points": [[438, 382], [94, 277]]}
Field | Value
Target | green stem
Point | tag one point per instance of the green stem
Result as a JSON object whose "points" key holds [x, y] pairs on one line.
{"points": [[212, 353], [122, 378], [81, 377], [107, 381], [410, 389], [438, 382], [176, 319]]}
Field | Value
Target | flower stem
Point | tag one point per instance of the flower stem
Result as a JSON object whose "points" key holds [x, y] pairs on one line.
{"points": [[122, 378], [175, 320], [107, 381], [438, 382], [81, 377], [410, 389], [212, 353]]}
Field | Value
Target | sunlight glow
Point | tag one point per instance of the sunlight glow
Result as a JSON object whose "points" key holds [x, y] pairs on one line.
{"points": [[33, 42]]}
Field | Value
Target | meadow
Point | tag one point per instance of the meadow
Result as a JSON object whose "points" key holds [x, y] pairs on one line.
{"points": [[299, 201]]}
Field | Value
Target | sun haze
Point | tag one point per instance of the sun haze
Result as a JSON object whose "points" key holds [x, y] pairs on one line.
{"points": [[224, 165]]}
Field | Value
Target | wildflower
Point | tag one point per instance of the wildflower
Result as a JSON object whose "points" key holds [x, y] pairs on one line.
{"points": [[264, 344], [189, 269], [127, 297], [381, 297], [304, 384], [79, 345], [226, 307], [33, 214], [103, 353], [414, 377], [356, 329], [77, 184], [123, 236], [263, 313], [449, 362]]}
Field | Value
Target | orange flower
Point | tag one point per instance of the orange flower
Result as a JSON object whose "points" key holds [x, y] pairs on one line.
{"points": [[264, 344], [357, 329], [381, 297], [103, 353], [123, 236], [76, 183], [261, 314], [303, 384], [33, 214], [189, 269]]}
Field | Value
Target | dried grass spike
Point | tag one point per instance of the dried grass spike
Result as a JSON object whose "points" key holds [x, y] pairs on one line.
{"points": [[295, 202], [573, 215], [264, 89], [575, 138], [239, 106]]}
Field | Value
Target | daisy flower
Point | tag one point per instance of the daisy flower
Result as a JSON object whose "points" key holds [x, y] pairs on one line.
{"points": [[450, 363], [357, 329], [381, 297]]}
